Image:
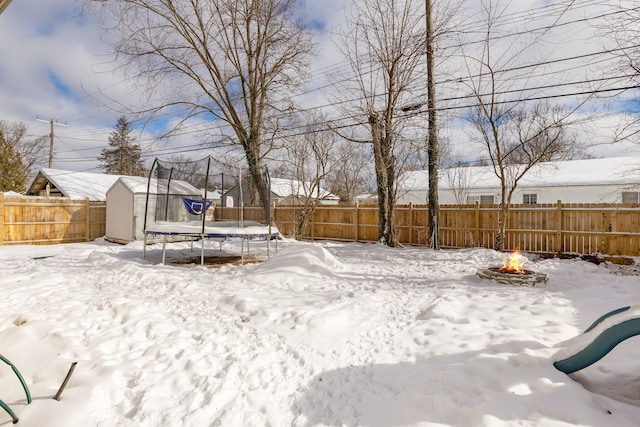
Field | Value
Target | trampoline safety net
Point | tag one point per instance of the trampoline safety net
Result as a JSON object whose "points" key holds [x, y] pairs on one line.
{"points": [[190, 191]]}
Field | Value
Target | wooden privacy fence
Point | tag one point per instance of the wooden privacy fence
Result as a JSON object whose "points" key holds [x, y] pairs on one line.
{"points": [[585, 229], [42, 220]]}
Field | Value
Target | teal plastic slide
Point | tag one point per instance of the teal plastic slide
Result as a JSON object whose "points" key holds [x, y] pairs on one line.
{"points": [[599, 339]]}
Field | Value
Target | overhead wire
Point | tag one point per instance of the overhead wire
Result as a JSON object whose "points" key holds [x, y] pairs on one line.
{"points": [[334, 104]]}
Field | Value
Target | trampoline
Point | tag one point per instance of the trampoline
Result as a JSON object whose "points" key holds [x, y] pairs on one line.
{"points": [[177, 210]]}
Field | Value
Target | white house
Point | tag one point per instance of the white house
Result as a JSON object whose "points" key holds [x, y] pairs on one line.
{"points": [[284, 191], [607, 180], [291, 190]]}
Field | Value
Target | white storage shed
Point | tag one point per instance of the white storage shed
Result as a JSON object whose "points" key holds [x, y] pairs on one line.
{"points": [[126, 200]]}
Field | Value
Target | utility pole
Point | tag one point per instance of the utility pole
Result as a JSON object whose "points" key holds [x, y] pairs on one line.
{"points": [[52, 122], [432, 143]]}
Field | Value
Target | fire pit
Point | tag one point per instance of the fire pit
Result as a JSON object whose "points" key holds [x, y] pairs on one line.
{"points": [[512, 272]]}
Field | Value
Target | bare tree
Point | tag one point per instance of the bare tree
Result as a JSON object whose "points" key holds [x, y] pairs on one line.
{"points": [[623, 29], [514, 134], [192, 171], [384, 46], [620, 35], [20, 155], [348, 176], [308, 161], [230, 61], [458, 179]]}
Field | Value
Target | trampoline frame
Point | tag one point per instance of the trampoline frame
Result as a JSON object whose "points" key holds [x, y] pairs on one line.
{"points": [[213, 229], [245, 235]]}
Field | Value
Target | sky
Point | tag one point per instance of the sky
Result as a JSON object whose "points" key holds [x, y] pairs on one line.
{"points": [[58, 68], [319, 334]]}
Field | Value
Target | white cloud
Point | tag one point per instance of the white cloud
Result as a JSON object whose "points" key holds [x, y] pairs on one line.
{"points": [[56, 65]]}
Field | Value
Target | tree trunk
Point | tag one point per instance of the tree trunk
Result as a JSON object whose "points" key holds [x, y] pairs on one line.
{"points": [[253, 162], [385, 171], [432, 143]]}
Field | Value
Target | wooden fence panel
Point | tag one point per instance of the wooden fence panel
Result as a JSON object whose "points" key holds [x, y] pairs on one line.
{"points": [[97, 220], [368, 223], [457, 226], [568, 228], [551, 228], [286, 219], [336, 222], [40, 220]]}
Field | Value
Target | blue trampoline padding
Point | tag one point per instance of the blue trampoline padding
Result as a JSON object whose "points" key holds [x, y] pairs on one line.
{"points": [[222, 229], [602, 344]]}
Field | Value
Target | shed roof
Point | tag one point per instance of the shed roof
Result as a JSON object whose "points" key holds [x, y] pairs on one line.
{"points": [[72, 184], [139, 184], [605, 171]]}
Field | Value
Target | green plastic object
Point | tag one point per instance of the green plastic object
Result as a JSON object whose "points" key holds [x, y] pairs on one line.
{"points": [[9, 411], [609, 314], [15, 370], [24, 386], [600, 346]]}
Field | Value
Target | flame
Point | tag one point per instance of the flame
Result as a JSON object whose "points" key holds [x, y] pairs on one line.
{"points": [[514, 263]]}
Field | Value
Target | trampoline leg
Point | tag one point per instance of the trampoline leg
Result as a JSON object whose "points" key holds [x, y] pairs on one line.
{"points": [[242, 250], [202, 252], [144, 246], [164, 246]]}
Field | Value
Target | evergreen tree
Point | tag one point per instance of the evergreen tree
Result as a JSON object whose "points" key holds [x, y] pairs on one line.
{"points": [[124, 155], [13, 174]]}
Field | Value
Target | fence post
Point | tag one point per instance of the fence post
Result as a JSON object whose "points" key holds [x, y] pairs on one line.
{"points": [[87, 219], [410, 223], [273, 213], [477, 224], [1, 219], [559, 226], [313, 214], [357, 220]]}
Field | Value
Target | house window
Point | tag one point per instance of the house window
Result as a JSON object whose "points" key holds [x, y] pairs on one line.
{"points": [[630, 197], [529, 199], [484, 200]]}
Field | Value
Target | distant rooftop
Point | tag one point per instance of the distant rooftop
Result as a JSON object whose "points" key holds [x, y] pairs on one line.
{"points": [[71, 184], [605, 171], [291, 187]]}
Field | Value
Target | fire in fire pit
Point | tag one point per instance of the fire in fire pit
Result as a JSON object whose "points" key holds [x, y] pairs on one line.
{"points": [[512, 272]]}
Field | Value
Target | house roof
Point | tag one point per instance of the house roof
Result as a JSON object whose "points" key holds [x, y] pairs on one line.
{"points": [[290, 187], [74, 185], [605, 171]]}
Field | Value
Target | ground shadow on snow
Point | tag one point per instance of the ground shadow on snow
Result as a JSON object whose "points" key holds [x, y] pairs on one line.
{"points": [[511, 381]]}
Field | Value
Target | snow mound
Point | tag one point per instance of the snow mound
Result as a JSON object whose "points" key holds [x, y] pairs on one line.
{"points": [[300, 260]]}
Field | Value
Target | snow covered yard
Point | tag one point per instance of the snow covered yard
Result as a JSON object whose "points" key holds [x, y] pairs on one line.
{"points": [[321, 334]]}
